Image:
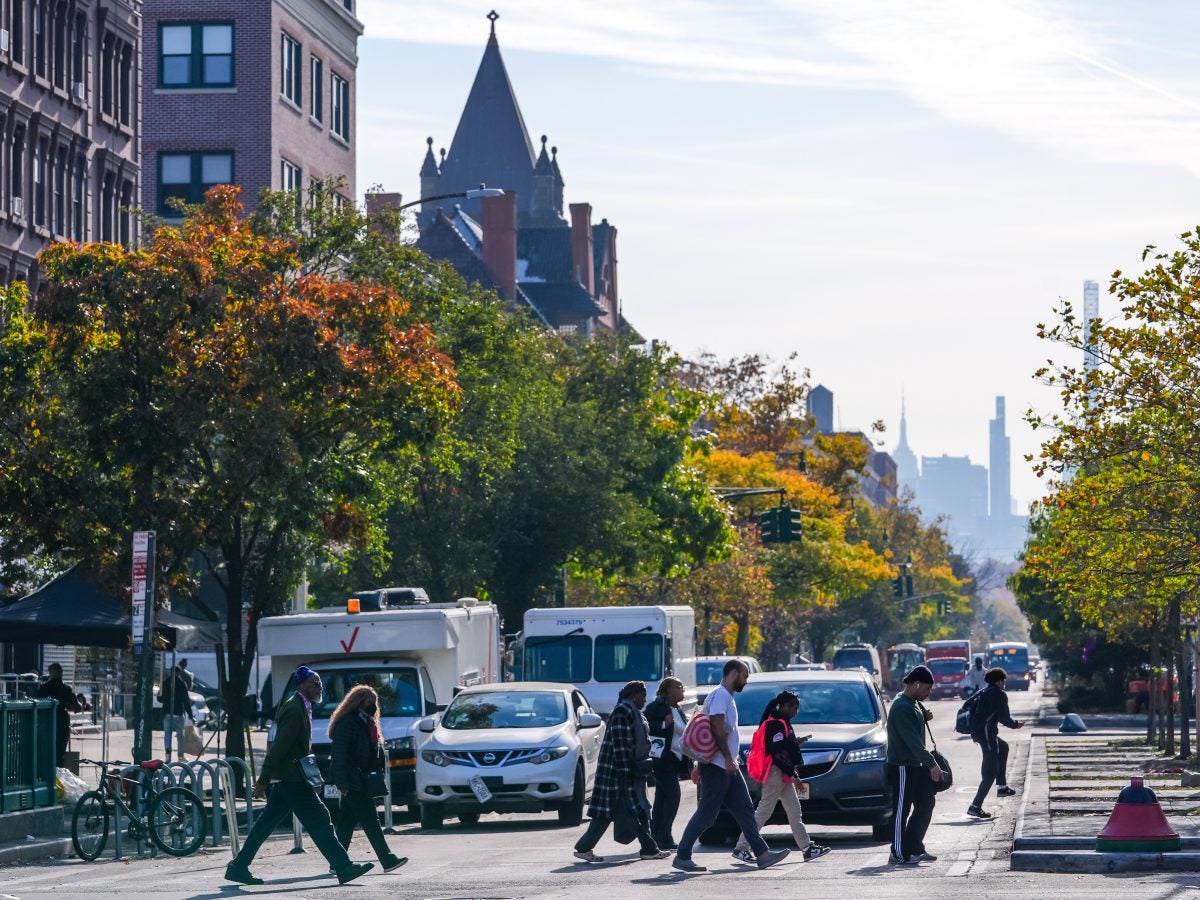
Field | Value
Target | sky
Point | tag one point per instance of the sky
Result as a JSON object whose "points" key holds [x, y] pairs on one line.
{"points": [[898, 193]]}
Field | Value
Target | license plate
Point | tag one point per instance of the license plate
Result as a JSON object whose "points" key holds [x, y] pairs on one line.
{"points": [[802, 790], [332, 793], [482, 794]]}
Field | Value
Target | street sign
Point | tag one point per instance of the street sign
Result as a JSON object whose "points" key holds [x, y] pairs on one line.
{"points": [[142, 553], [143, 629]]}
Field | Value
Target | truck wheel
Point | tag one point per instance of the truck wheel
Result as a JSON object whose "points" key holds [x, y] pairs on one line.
{"points": [[431, 817], [881, 831], [571, 814], [469, 818]]}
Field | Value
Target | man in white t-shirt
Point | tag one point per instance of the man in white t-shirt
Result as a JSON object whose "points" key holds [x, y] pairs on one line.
{"points": [[721, 781]]}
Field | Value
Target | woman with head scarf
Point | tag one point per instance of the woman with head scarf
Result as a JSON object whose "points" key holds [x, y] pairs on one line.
{"points": [[621, 773], [667, 721], [358, 751]]}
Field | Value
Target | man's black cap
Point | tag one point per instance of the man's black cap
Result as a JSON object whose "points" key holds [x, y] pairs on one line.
{"points": [[919, 674]]}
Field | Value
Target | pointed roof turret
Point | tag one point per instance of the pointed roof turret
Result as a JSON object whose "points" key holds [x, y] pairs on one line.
{"points": [[491, 144], [543, 166], [429, 168]]}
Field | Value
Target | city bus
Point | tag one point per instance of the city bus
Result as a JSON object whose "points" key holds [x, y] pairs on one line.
{"points": [[1013, 658]]}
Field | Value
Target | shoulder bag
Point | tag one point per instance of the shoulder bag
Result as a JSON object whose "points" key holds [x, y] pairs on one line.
{"points": [[942, 762], [312, 771]]}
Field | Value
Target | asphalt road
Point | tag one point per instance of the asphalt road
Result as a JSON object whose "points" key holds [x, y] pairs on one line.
{"points": [[530, 856]]}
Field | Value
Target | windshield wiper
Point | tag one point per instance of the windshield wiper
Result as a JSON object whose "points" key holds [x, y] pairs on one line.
{"points": [[542, 642]]}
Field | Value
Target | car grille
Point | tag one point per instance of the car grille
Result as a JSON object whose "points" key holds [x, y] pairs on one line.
{"points": [[495, 784], [490, 759], [818, 762]]}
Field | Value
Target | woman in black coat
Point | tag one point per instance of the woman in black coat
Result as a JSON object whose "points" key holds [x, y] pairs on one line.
{"points": [[358, 750], [666, 721]]}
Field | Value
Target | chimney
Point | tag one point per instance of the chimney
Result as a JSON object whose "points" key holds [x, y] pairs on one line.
{"points": [[382, 214], [500, 241], [582, 259]]}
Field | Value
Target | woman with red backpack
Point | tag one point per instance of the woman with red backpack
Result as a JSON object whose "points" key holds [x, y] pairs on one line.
{"points": [[774, 761]]}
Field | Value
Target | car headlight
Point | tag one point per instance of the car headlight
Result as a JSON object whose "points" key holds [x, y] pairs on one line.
{"points": [[405, 743], [867, 754], [550, 754], [435, 757]]}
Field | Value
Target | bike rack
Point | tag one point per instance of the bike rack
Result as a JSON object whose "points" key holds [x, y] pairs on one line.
{"points": [[214, 782], [236, 762], [226, 782]]}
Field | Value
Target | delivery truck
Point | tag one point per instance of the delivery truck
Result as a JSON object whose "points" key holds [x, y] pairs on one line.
{"points": [[948, 661], [600, 649], [415, 657]]}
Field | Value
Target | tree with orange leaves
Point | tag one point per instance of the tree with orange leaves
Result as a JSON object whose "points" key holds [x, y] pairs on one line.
{"points": [[205, 388]]}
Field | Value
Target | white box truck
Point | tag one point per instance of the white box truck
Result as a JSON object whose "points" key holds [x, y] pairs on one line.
{"points": [[415, 657], [599, 649]]}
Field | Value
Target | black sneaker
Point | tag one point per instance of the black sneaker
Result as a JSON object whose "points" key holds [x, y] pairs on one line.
{"points": [[241, 875], [815, 851], [902, 860], [1005, 791], [978, 812], [926, 857], [394, 863], [352, 871]]}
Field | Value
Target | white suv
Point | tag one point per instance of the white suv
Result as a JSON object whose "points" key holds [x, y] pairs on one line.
{"points": [[516, 747]]}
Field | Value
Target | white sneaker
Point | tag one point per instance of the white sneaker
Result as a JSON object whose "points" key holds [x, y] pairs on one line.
{"points": [[588, 856]]}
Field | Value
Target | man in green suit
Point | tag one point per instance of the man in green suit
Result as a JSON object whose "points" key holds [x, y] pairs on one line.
{"points": [[290, 793]]}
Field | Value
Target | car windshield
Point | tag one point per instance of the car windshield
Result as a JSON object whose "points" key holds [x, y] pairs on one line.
{"points": [[558, 658], [398, 689], [946, 666], [629, 657], [821, 702], [853, 658], [709, 672], [506, 709]]}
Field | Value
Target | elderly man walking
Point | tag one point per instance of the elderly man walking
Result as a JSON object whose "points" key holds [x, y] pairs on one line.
{"points": [[621, 774], [290, 792]]}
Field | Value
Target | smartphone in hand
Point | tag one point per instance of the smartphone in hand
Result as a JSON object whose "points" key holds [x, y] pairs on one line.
{"points": [[807, 737]]}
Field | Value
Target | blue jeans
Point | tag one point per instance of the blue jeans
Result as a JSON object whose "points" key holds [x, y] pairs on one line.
{"points": [[288, 798], [720, 788]]}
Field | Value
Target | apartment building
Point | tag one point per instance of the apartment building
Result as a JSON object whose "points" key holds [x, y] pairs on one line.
{"points": [[258, 93], [70, 125]]}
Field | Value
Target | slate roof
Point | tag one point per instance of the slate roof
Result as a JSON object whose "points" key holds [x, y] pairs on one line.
{"points": [[563, 303], [547, 252]]}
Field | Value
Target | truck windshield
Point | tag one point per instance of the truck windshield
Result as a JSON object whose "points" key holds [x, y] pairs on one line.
{"points": [[399, 690], [566, 658], [629, 657], [947, 665], [506, 709], [1010, 659]]}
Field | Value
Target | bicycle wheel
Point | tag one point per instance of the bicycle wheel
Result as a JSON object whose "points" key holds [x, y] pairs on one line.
{"points": [[89, 826], [177, 821]]}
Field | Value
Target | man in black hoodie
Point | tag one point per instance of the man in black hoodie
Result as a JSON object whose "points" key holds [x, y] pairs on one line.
{"points": [[991, 711]]}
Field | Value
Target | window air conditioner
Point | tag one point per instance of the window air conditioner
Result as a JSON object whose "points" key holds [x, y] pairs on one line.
{"points": [[3, 40], [18, 207], [80, 91]]}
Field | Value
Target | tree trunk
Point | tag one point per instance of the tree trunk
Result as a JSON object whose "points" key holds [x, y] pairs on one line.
{"points": [[1152, 714], [742, 645], [1172, 642]]}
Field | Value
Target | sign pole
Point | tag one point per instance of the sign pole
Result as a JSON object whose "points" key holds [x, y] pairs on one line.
{"points": [[143, 639]]}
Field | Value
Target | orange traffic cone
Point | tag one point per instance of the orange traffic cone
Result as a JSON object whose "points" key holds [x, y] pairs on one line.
{"points": [[1137, 823]]}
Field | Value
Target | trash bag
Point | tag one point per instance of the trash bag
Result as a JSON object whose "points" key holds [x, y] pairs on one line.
{"points": [[70, 786], [193, 744]]}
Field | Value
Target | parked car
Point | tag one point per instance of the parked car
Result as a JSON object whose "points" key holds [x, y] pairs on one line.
{"points": [[806, 667], [709, 671], [843, 761], [530, 746], [860, 656]]}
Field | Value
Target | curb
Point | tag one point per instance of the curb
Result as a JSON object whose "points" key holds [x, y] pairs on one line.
{"points": [[35, 850], [1102, 863]]}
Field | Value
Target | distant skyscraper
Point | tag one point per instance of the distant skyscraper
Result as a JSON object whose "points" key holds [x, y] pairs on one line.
{"points": [[820, 407], [1091, 312], [907, 470], [952, 486], [999, 465]]}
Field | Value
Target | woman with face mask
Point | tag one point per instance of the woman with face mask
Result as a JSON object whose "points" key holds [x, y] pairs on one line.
{"points": [[357, 751]]}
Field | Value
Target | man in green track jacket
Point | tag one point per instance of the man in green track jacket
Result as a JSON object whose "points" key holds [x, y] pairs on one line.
{"points": [[911, 769]]}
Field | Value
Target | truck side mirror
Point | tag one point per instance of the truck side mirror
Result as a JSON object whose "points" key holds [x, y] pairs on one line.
{"points": [[589, 720], [426, 725]]}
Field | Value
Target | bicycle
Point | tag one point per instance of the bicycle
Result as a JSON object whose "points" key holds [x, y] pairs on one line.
{"points": [[174, 817]]}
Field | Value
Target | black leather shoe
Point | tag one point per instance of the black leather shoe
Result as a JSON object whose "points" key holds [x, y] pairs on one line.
{"points": [[352, 871], [240, 875], [394, 863]]}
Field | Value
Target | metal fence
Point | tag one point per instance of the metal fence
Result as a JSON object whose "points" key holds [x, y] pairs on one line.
{"points": [[27, 754]]}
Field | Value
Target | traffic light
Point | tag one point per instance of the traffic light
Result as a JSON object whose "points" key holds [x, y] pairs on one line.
{"points": [[768, 526], [908, 585], [792, 526], [898, 586]]}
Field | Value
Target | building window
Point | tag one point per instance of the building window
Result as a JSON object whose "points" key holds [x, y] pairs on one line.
{"points": [[17, 192], [18, 31], [79, 57], [125, 99], [339, 107], [317, 86], [196, 55], [126, 212], [60, 193], [289, 176], [188, 175], [61, 21], [106, 74], [39, 184], [293, 73], [107, 207], [39, 38], [78, 194]]}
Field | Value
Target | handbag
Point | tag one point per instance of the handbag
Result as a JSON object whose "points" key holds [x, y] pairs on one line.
{"points": [[698, 740], [311, 771], [942, 763], [377, 785]]}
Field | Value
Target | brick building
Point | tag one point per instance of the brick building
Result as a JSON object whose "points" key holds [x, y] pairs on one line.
{"points": [[519, 244], [259, 94], [70, 122]]}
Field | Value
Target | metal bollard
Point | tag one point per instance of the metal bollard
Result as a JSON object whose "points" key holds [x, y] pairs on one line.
{"points": [[297, 840], [236, 762]]}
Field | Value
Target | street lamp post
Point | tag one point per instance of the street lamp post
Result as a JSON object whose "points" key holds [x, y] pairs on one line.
{"points": [[474, 194]]}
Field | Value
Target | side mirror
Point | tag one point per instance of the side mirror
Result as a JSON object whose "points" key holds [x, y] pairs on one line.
{"points": [[589, 720], [426, 725]]}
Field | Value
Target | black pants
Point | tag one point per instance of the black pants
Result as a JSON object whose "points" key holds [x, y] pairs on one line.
{"points": [[62, 737], [288, 798], [912, 808], [666, 800], [994, 769], [599, 824], [720, 788], [357, 808]]}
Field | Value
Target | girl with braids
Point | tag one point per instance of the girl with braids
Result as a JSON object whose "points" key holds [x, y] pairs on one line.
{"points": [[357, 751], [776, 749]]}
